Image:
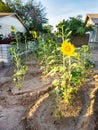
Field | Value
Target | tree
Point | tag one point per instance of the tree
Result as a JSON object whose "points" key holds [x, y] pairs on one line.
{"points": [[4, 7], [77, 25], [32, 13], [74, 24]]}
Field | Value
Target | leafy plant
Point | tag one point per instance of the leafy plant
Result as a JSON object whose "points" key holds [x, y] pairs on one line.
{"points": [[20, 69], [63, 30], [66, 65], [74, 24], [4, 7]]}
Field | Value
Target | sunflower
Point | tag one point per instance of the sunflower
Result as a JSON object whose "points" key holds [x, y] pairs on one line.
{"points": [[35, 34], [67, 48]]}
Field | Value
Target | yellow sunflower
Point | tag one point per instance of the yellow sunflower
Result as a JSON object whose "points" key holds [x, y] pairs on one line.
{"points": [[35, 34], [67, 48]]}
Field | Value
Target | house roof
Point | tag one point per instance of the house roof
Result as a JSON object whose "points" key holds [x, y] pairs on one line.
{"points": [[12, 14], [5, 14], [93, 17]]}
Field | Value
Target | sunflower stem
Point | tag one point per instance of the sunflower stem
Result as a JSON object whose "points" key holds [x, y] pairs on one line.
{"points": [[63, 61], [69, 70]]}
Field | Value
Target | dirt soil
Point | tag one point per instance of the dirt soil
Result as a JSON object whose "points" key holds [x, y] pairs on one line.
{"points": [[33, 108]]}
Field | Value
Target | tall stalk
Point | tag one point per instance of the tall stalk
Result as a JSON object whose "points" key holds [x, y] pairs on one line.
{"points": [[20, 69], [69, 70]]}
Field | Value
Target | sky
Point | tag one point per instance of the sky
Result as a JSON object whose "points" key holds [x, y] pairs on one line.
{"points": [[57, 10]]}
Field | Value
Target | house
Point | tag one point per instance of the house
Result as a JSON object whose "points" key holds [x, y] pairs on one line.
{"points": [[10, 19], [6, 21], [92, 19]]}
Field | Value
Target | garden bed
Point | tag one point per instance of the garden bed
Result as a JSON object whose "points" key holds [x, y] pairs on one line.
{"points": [[77, 116], [33, 108]]}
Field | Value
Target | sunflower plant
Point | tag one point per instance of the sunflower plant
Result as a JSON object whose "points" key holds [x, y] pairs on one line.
{"points": [[20, 69], [47, 53], [65, 64], [71, 73]]}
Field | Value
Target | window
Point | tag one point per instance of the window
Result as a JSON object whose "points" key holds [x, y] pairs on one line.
{"points": [[94, 35]]}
